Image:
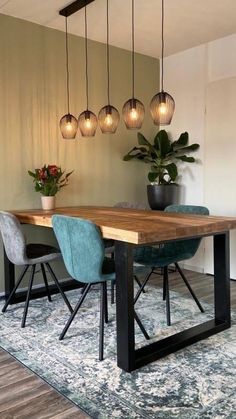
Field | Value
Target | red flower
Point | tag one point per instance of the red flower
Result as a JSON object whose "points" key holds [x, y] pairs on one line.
{"points": [[42, 174], [53, 169]]}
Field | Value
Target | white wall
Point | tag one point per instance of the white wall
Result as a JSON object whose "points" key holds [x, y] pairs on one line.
{"points": [[202, 81]]}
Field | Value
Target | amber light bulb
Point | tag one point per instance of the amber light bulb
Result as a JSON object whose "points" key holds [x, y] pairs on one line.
{"points": [[68, 126], [133, 114], [108, 120], [162, 108]]}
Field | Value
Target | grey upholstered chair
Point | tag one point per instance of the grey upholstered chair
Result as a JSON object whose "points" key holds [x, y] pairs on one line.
{"points": [[83, 253], [22, 254]]}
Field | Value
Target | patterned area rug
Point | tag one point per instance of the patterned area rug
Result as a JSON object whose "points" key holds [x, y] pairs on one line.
{"points": [[198, 381]]}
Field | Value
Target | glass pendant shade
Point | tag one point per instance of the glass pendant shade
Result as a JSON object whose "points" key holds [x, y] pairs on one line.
{"points": [[87, 123], [162, 108], [133, 113], [68, 126], [108, 118]]}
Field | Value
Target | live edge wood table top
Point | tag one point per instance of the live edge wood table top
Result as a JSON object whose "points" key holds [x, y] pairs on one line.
{"points": [[135, 226]]}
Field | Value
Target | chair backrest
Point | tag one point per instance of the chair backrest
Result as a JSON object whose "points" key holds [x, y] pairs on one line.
{"points": [[185, 246], [81, 246], [13, 238], [135, 205]]}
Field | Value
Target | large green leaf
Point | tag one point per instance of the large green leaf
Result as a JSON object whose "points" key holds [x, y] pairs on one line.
{"points": [[163, 142], [138, 156], [152, 176], [192, 147], [186, 158], [142, 140], [172, 170], [182, 141]]}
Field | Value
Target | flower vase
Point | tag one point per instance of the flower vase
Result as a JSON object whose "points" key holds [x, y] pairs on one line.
{"points": [[48, 202]]}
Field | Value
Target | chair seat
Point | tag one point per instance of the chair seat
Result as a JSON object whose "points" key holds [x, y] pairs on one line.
{"points": [[108, 269], [40, 253], [160, 257]]}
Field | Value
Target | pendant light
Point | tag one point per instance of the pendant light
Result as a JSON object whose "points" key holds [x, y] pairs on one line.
{"points": [[68, 123], [162, 105], [87, 119], [108, 116], [133, 110]]}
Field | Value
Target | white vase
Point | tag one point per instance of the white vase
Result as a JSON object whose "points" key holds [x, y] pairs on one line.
{"points": [[48, 202]]}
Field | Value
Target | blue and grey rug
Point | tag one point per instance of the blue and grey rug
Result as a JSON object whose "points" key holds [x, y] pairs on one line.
{"points": [[197, 382]]}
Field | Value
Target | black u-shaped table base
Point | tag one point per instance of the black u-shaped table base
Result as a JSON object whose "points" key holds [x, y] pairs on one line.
{"points": [[129, 358]]}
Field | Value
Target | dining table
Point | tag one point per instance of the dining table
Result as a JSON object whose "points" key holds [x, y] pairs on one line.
{"points": [[130, 228]]}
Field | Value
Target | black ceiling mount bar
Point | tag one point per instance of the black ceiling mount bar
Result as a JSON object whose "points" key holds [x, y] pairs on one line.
{"points": [[74, 7]]}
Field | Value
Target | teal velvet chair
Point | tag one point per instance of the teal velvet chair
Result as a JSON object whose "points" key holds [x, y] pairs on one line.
{"points": [[83, 253], [170, 253]]}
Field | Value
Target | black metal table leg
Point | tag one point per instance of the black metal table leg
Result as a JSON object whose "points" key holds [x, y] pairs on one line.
{"points": [[9, 275], [125, 306], [222, 278], [127, 357]]}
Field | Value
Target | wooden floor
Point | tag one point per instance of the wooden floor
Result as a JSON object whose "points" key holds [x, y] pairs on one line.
{"points": [[25, 396]]}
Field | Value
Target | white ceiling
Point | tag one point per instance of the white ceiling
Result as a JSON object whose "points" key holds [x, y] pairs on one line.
{"points": [[187, 22]]}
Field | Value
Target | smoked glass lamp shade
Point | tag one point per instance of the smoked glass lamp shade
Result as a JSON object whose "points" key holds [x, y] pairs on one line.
{"points": [[133, 113], [162, 108], [68, 126], [108, 119], [87, 123]]}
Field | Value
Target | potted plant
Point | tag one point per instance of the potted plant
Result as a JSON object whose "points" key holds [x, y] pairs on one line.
{"points": [[162, 156], [48, 181]]}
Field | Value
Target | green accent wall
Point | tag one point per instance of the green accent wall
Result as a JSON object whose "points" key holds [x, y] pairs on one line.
{"points": [[32, 101]]}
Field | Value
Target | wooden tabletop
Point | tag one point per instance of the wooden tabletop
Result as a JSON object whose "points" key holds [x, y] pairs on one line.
{"points": [[135, 226]]}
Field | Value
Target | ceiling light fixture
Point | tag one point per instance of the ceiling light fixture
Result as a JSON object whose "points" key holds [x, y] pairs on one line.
{"points": [[162, 105], [68, 123], [108, 116], [133, 110], [87, 120]]}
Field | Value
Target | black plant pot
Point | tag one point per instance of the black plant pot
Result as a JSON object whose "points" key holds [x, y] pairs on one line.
{"points": [[160, 196]]}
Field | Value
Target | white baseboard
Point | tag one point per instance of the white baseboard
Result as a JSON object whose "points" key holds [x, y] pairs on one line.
{"points": [[192, 267]]}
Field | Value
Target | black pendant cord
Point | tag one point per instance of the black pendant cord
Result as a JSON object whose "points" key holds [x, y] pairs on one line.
{"points": [[162, 44], [86, 52], [108, 58], [133, 49], [67, 69]]}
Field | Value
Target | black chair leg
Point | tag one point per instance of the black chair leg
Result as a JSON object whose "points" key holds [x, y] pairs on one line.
{"points": [[167, 295], [102, 318], [59, 287], [105, 304], [139, 283], [83, 288], [189, 287], [142, 328], [15, 288], [45, 281], [28, 296], [112, 292], [164, 287], [143, 285], [72, 316]]}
